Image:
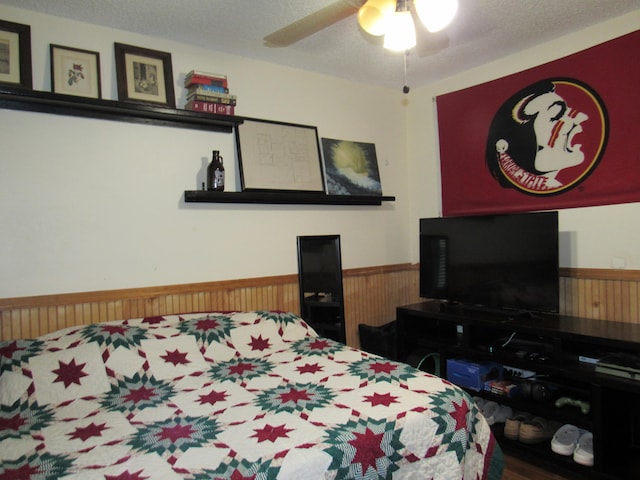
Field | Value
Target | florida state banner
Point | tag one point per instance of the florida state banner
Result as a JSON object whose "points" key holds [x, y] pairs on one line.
{"points": [[563, 134]]}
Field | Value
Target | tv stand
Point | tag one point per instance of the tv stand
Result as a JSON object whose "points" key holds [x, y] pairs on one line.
{"points": [[506, 314], [560, 350]]}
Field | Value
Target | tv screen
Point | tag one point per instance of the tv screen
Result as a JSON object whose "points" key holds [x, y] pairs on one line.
{"points": [[506, 262], [319, 264]]}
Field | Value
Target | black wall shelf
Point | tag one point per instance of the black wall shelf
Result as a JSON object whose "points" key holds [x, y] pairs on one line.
{"points": [[16, 98], [55, 103], [282, 198]]}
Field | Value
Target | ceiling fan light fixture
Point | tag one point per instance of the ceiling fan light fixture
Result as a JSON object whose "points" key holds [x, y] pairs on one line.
{"points": [[374, 15], [401, 32], [436, 14]]}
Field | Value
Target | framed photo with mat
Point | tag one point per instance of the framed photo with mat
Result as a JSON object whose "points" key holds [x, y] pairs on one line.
{"points": [[75, 71], [15, 54], [144, 76]]}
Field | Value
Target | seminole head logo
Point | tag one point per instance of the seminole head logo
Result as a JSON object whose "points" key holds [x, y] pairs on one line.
{"points": [[548, 137]]}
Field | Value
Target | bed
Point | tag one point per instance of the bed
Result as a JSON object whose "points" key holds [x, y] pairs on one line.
{"points": [[228, 395]]}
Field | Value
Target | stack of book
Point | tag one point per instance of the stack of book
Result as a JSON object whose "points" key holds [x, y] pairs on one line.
{"points": [[209, 93]]}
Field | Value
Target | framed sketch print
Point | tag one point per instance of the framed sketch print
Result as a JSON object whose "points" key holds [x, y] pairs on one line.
{"points": [[279, 156], [144, 76], [75, 72], [15, 54]]}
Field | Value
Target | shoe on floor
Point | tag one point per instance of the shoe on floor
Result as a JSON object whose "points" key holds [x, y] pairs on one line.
{"points": [[512, 424], [565, 439], [488, 409], [537, 430], [500, 415], [583, 453]]}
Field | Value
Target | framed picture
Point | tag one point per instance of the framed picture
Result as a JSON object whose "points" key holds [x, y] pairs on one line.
{"points": [[279, 156], [75, 72], [351, 168], [15, 54], [144, 76]]}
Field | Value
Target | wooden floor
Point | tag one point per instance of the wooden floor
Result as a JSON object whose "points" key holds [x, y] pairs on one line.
{"points": [[515, 469]]}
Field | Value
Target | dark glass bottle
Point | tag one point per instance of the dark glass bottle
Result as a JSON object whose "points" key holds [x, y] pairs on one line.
{"points": [[215, 172]]}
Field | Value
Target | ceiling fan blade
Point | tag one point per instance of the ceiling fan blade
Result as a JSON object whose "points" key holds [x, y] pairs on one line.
{"points": [[428, 43], [312, 23]]}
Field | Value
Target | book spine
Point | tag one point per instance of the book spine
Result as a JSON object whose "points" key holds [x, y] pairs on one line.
{"points": [[190, 81], [194, 78], [214, 98], [204, 90], [213, 88], [210, 107]]}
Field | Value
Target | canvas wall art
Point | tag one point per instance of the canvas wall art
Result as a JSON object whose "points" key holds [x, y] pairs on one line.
{"points": [[351, 168]]}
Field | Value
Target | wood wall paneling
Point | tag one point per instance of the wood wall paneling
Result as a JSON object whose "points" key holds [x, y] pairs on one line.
{"points": [[371, 297]]}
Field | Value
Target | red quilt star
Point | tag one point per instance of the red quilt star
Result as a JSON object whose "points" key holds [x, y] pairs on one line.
{"points": [[9, 350], [114, 329], [240, 368], [309, 368], [213, 397], [294, 396], [271, 433], [126, 475], [259, 343], [207, 324], [176, 357], [368, 449], [91, 430], [176, 432], [318, 345], [459, 414], [381, 399], [136, 395], [69, 373], [24, 471], [11, 423], [236, 475], [383, 367]]}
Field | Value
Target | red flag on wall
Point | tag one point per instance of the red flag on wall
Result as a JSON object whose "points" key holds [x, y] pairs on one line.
{"points": [[563, 134]]}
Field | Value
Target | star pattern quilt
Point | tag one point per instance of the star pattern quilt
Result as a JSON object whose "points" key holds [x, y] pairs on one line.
{"points": [[228, 395]]}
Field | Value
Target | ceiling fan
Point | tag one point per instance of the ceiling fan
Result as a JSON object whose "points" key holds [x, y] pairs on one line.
{"points": [[375, 18]]}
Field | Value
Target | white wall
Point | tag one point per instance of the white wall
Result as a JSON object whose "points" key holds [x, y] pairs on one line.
{"points": [[91, 205], [594, 237]]}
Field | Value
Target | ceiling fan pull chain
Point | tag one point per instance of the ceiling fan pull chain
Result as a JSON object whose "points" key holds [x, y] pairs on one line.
{"points": [[405, 89]]}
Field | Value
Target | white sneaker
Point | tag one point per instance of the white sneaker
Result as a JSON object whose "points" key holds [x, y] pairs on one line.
{"points": [[583, 453], [565, 439]]}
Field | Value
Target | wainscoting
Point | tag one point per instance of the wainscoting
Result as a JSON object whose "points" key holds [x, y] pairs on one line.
{"points": [[371, 297]]}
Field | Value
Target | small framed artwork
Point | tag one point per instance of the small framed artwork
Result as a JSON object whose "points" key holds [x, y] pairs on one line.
{"points": [[351, 168], [75, 71], [15, 54], [279, 156], [144, 76]]}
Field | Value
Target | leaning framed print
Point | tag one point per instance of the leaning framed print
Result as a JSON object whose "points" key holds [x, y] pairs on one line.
{"points": [[144, 76], [15, 54], [75, 71], [279, 156]]}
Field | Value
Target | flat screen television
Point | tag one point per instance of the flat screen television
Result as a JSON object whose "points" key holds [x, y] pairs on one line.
{"points": [[504, 262], [320, 265]]}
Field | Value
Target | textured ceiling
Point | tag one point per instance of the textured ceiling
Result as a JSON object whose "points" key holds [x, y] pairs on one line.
{"points": [[482, 31]]}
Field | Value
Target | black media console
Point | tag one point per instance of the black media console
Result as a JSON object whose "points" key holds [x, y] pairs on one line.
{"points": [[561, 351]]}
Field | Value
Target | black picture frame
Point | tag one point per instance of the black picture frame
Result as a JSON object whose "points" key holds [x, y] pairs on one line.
{"points": [[75, 71], [144, 76], [15, 54], [279, 156]]}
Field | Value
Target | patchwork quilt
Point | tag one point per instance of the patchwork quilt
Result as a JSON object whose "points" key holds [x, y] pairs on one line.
{"points": [[228, 395]]}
